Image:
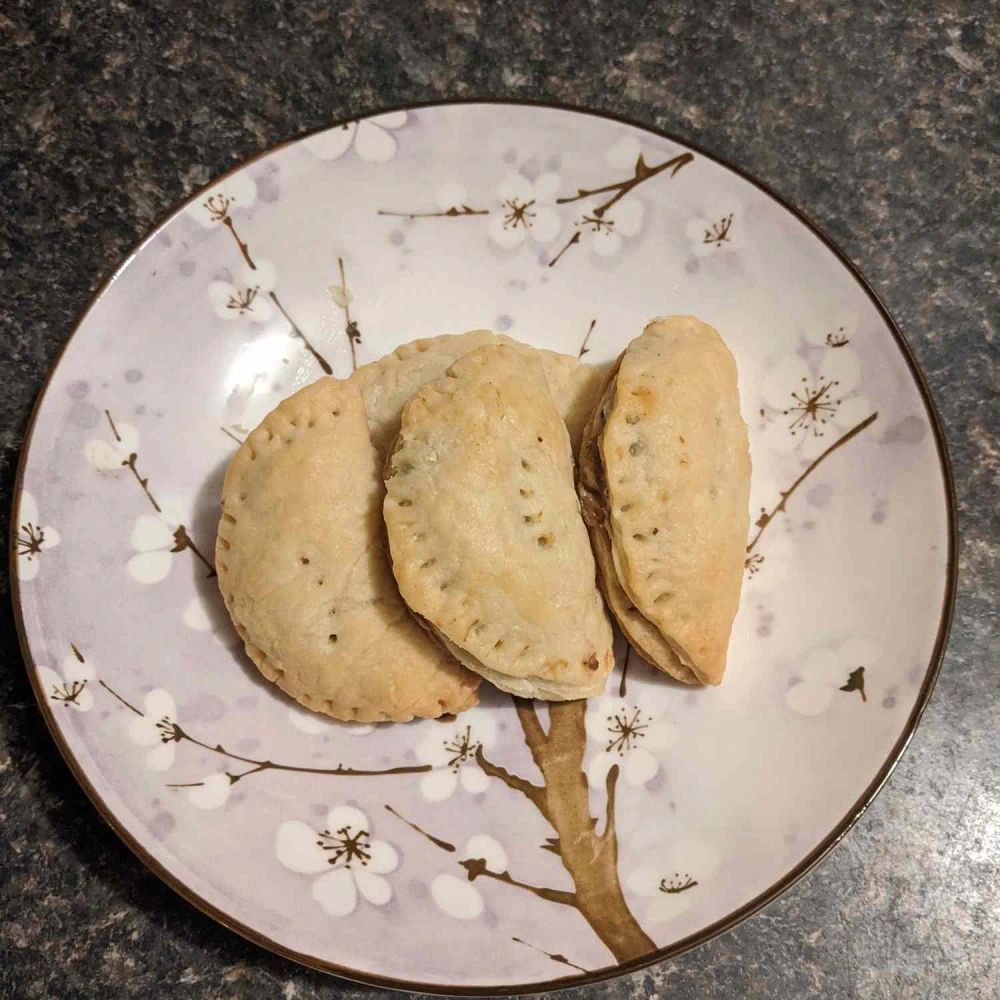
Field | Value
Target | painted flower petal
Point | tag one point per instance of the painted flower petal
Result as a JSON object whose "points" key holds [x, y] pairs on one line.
{"points": [[336, 892], [51, 539], [149, 567], [102, 456], [340, 817], [431, 747], [384, 858], [822, 666], [49, 681], [509, 237], [624, 153], [150, 533], [483, 846], [264, 276], [457, 897], [843, 366], [333, 143], [84, 701], [783, 379], [546, 186], [28, 566], [697, 858], [74, 670], [162, 757], [474, 781], [852, 411], [644, 880], [516, 187], [439, 785], [628, 216], [661, 734], [640, 766], [668, 906], [695, 228], [129, 439], [599, 714], [597, 770], [374, 144], [391, 119], [546, 225], [143, 731], [27, 509], [297, 848], [309, 722], [212, 792], [221, 294], [175, 508], [373, 887], [606, 243], [482, 725], [809, 699]]}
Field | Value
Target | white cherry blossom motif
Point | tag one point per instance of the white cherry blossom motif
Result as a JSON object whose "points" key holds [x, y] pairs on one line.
{"points": [[609, 230], [32, 538], [629, 736], [205, 613], [826, 674], [527, 208], [248, 298], [114, 454], [211, 792], [321, 725], [718, 228], [809, 404], [457, 895], [450, 748], [220, 202], [156, 539], [157, 728], [371, 138], [69, 686], [353, 861], [671, 878]]}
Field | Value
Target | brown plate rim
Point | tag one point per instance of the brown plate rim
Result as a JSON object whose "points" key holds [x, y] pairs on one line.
{"points": [[678, 947]]}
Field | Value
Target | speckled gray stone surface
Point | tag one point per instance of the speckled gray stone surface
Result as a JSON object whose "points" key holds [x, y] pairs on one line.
{"points": [[881, 121]]}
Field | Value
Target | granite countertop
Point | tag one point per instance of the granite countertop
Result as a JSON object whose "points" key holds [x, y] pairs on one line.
{"points": [[879, 120]]}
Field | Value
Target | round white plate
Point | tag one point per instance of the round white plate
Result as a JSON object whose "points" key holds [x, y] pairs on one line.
{"points": [[567, 230]]}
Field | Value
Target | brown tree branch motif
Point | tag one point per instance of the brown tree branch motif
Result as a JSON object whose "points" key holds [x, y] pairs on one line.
{"points": [[342, 296], [182, 540], [555, 956], [172, 732], [218, 206], [563, 799], [586, 340], [753, 562], [453, 212], [596, 219]]}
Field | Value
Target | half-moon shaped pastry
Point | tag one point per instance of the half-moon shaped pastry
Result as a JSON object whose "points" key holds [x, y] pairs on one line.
{"points": [[664, 484], [487, 541]]}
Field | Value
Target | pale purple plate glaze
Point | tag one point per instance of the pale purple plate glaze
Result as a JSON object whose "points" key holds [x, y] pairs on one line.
{"points": [[566, 230]]}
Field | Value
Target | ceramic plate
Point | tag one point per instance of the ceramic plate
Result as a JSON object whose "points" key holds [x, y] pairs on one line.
{"points": [[567, 230]]}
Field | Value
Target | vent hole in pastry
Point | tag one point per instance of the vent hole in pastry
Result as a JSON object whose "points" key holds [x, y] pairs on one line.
{"points": [[333, 611], [446, 584], [332, 637], [498, 644], [294, 423], [656, 531], [545, 540], [539, 440], [525, 464], [631, 418], [532, 518], [335, 413], [405, 503], [625, 508], [312, 423], [527, 493], [635, 448], [243, 496], [319, 582], [304, 560], [639, 536]]}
